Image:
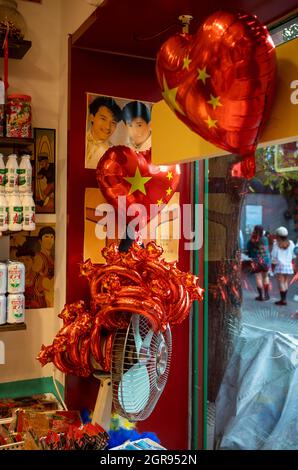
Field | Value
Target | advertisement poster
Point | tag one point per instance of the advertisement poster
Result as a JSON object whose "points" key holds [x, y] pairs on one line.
{"points": [[115, 121], [161, 228]]}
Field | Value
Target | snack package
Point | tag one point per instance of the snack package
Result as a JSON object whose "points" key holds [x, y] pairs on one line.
{"points": [[40, 402], [87, 437], [59, 430], [35, 426]]}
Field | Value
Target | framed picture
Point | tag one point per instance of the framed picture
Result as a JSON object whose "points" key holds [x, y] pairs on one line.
{"points": [[286, 157], [115, 121], [45, 170], [36, 249]]}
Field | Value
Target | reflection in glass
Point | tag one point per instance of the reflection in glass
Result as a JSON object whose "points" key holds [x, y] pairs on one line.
{"points": [[253, 334]]}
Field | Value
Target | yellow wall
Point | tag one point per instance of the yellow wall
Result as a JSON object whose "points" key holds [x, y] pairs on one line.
{"points": [[42, 73]]}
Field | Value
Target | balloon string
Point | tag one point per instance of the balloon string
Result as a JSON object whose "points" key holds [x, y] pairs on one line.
{"points": [[5, 48], [147, 38]]}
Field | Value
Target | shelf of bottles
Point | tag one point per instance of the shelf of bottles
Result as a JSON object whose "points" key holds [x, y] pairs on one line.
{"points": [[17, 207]]}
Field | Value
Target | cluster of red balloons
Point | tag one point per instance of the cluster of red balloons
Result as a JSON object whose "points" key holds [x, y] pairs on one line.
{"points": [[139, 282]]}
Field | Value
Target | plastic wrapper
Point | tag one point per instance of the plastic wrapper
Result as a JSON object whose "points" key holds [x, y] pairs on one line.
{"points": [[62, 430], [257, 406]]}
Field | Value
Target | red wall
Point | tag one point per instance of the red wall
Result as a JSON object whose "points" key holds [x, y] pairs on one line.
{"points": [[130, 78]]}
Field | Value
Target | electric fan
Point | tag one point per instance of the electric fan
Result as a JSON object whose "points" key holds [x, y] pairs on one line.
{"points": [[140, 362]]}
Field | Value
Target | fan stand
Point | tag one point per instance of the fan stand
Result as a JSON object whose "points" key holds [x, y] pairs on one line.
{"points": [[103, 405]]}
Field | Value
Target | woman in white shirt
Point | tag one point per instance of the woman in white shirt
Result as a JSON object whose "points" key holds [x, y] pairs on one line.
{"points": [[282, 256]]}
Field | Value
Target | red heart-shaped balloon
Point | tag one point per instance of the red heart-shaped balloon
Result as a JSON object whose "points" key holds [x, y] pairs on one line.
{"points": [[124, 172], [220, 81]]}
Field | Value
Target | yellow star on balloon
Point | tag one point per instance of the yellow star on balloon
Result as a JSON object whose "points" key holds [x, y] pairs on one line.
{"points": [[203, 75], [170, 175], [137, 182], [169, 191], [211, 122], [169, 95], [214, 101], [159, 202], [186, 62]]}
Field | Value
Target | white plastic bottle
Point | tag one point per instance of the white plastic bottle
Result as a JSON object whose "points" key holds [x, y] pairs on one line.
{"points": [[15, 211], [3, 213], [12, 173], [25, 174], [28, 212], [3, 174]]}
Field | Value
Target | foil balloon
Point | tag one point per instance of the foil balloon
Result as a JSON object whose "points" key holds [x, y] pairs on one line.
{"points": [[138, 282], [130, 174], [220, 81]]}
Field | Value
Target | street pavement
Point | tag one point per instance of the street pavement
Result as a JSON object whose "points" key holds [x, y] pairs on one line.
{"points": [[265, 313]]}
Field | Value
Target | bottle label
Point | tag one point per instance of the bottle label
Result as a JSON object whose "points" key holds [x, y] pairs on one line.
{"points": [[17, 215], [29, 216], [3, 176], [21, 176], [12, 178], [25, 177], [3, 216]]}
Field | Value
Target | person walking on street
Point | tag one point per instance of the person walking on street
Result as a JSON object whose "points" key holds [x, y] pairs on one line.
{"points": [[258, 251], [282, 256]]}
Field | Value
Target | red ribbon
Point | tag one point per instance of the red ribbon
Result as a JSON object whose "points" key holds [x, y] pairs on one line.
{"points": [[5, 55]]}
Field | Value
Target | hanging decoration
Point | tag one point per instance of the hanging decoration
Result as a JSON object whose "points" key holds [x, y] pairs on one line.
{"points": [[123, 171], [139, 282], [5, 61], [220, 81]]}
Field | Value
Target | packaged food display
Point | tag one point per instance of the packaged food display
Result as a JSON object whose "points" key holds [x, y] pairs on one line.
{"points": [[38, 402]]}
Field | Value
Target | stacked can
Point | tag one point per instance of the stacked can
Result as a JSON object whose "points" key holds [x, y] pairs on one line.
{"points": [[3, 290], [12, 280]]}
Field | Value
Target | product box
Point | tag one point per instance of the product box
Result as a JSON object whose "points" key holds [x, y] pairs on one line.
{"points": [[140, 444]]}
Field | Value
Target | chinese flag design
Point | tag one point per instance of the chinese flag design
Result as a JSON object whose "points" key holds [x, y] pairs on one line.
{"points": [[220, 81], [124, 172]]}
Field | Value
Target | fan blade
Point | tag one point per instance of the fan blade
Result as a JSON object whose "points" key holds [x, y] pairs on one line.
{"points": [[144, 353], [136, 332], [134, 389]]}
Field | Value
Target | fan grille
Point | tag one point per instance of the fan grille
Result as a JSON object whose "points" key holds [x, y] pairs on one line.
{"points": [[140, 368]]}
